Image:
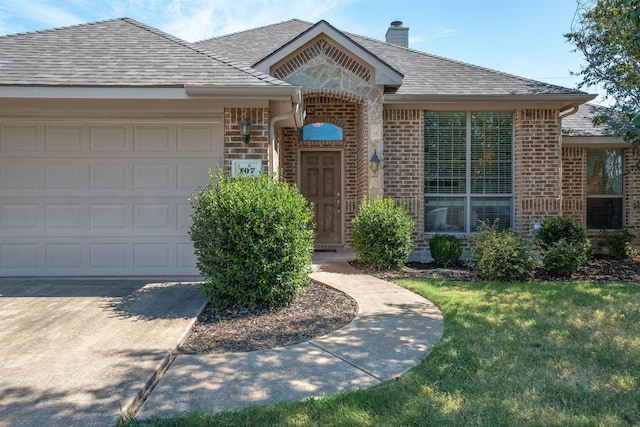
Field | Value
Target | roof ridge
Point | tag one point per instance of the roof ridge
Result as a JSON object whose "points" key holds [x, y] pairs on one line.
{"points": [[65, 27], [459, 62], [254, 29], [230, 63]]}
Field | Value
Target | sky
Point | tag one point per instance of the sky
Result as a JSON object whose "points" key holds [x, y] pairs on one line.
{"points": [[521, 37]]}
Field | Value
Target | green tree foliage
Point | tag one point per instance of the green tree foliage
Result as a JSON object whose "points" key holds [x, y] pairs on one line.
{"points": [[382, 233], [252, 240], [607, 33]]}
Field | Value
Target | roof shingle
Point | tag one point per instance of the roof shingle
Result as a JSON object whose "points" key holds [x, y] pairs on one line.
{"points": [[425, 74], [119, 52]]}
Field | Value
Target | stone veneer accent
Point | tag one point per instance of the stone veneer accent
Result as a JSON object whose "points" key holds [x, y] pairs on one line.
{"points": [[537, 164], [328, 52], [257, 148]]}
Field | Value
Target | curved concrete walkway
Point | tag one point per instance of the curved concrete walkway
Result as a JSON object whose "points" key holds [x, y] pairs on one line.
{"points": [[393, 330]]}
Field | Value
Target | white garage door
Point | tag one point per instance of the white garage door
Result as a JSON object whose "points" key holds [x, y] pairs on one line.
{"points": [[86, 199]]}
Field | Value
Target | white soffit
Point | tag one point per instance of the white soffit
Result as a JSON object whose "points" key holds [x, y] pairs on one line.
{"points": [[384, 74]]}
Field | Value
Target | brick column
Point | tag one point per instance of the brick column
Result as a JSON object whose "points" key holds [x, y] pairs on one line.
{"points": [[257, 148], [538, 167], [574, 178], [404, 164]]}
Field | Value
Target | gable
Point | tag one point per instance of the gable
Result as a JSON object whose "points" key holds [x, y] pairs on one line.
{"points": [[324, 65], [324, 39]]}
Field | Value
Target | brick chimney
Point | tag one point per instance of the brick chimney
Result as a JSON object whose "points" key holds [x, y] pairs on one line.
{"points": [[397, 34]]}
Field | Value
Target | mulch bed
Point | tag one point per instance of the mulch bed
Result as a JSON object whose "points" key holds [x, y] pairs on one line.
{"points": [[317, 311]]}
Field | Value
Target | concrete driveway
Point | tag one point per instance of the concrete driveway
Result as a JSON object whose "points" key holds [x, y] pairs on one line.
{"points": [[81, 351]]}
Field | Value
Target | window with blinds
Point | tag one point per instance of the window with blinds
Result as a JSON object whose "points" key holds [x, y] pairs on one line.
{"points": [[604, 188], [468, 170]]}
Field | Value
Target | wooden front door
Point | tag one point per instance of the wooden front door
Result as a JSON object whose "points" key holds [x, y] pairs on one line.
{"points": [[321, 184]]}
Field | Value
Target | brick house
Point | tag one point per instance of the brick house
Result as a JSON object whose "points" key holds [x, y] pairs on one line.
{"points": [[106, 129]]}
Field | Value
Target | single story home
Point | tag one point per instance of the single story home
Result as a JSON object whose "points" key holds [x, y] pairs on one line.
{"points": [[107, 128]]}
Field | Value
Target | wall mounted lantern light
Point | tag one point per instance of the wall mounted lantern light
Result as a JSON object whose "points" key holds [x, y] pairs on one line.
{"points": [[245, 130], [375, 162]]}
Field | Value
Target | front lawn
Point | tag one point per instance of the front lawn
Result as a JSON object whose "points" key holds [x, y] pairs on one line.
{"points": [[561, 354]]}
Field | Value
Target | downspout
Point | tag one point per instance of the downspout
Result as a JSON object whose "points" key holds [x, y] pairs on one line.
{"points": [[562, 116], [272, 133], [573, 111]]}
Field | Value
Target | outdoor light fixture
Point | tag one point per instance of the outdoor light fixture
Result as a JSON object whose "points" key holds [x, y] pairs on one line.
{"points": [[375, 161], [245, 130]]}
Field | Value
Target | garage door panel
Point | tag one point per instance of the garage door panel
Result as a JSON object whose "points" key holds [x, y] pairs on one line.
{"points": [[64, 256], [22, 176], [64, 138], [101, 199], [108, 138], [108, 217], [148, 138], [65, 216], [18, 256], [19, 137], [18, 216], [111, 256], [66, 177]]}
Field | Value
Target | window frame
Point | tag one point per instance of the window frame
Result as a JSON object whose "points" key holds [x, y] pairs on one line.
{"points": [[468, 195], [595, 196]]}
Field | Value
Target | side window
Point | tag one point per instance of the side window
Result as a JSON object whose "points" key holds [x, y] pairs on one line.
{"points": [[321, 132], [604, 188]]}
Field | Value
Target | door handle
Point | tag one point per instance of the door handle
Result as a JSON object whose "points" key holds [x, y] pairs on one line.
{"points": [[338, 202]]}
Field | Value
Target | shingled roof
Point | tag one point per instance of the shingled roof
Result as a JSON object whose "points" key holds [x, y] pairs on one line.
{"points": [[119, 52], [424, 74], [581, 123]]}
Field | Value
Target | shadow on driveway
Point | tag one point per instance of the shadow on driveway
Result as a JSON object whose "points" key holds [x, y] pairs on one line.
{"points": [[79, 351]]}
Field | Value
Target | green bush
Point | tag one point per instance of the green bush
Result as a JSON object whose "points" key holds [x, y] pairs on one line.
{"points": [[381, 234], [252, 240], [445, 249], [564, 258], [618, 243], [554, 228], [565, 244], [502, 255]]}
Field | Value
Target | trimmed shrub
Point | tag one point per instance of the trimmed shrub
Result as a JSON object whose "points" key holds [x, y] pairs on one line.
{"points": [[502, 255], [565, 244], [253, 241], [381, 234], [618, 243], [554, 228], [445, 249], [564, 258]]}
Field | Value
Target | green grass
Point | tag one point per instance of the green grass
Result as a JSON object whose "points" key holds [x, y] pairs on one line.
{"points": [[539, 354]]}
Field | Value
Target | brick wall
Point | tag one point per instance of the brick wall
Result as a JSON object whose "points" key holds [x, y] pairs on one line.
{"points": [[632, 193], [538, 161], [257, 148], [404, 164], [574, 178]]}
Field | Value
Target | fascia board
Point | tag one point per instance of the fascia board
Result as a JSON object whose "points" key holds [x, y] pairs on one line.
{"points": [[562, 101], [289, 93]]}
